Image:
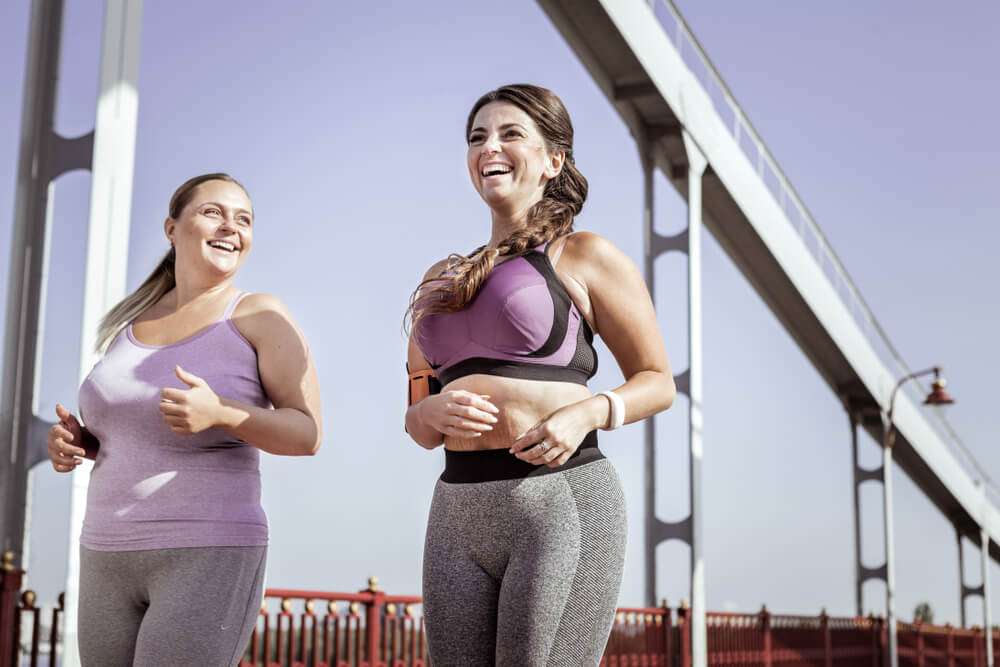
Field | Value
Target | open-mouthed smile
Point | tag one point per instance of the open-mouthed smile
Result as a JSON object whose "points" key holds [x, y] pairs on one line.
{"points": [[495, 169], [223, 245]]}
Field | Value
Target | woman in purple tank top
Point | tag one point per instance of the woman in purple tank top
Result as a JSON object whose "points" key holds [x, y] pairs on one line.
{"points": [[526, 536], [196, 379]]}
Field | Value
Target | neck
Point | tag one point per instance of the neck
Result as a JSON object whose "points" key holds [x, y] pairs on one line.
{"points": [[506, 222], [189, 291]]}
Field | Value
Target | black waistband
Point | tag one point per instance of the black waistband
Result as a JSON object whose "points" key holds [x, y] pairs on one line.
{"points": [[490, 465]]}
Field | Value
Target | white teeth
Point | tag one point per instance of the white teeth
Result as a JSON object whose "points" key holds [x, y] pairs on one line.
{"points": [[222, 245], [494, 169]]}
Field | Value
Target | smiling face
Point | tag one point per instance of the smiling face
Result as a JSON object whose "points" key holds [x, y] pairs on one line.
{"points": [[509, 162], [212, 234]]}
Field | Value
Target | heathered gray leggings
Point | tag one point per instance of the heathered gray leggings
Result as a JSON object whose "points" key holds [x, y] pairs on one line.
{"points": [[524, 572], [194, 607]]}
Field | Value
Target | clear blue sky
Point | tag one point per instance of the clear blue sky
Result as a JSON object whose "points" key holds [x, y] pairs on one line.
{"points": [[345, 123]]}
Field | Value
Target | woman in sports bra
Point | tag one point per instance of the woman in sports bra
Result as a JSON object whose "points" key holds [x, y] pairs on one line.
{"points": [[525, 541], [197, 378]]}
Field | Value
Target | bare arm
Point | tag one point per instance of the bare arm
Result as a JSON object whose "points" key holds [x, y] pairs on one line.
{"points": [[422, 433], [621, 310], [624, 317], [287, 374]]}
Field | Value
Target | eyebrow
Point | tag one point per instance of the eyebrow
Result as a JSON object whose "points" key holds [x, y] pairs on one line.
{"points": [[502, 127]]}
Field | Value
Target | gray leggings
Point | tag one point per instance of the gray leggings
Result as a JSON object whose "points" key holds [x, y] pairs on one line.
{"points": [[524, 572], [168, 607]]}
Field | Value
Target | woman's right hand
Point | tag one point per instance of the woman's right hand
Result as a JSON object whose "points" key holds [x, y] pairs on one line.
{"points": [[458, 413], [64, 441]]}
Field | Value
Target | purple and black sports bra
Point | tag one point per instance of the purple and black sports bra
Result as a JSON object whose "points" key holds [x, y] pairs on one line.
{"points": [[521, 324]]}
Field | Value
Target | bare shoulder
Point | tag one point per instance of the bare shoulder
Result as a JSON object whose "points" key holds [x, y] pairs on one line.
{"points": [[437, 268], [258, 303], [260, 317], [592, 255]]}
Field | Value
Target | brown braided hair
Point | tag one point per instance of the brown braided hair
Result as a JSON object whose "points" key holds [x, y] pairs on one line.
{"points": [[550, 218]]}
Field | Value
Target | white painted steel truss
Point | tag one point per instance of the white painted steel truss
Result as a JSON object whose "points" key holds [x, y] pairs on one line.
{"points": [[651, 68]]}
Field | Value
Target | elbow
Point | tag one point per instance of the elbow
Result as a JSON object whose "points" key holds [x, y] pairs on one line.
{"points": [[669, 392], [311, 448], [303, 449], [317, 441], [428, 441]]}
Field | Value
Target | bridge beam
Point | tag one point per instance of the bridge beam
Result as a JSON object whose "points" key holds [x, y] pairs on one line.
{"points": [[687, 530], [108, 152], [108, 232], [39, 149], [771, 237], [965, 590], [858, 412], [696, 169], [654, 246], [984, 548], [857, 514], [890, 547]]}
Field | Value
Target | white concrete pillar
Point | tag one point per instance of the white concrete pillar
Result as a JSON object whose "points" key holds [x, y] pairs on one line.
{"points": [[696, 168], [107, 239]]}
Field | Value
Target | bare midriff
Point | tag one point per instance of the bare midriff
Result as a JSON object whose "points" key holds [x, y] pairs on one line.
{"points": [[522, 404]]}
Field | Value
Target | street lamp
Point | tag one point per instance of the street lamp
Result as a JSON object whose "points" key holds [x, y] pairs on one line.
{"points": [[937, 397]]}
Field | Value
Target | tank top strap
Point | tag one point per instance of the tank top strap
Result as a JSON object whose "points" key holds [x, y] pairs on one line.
{"points": [[233, 303]]}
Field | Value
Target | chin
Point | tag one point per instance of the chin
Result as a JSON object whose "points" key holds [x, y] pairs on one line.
{"points": [[496, 198], [226, 270]]}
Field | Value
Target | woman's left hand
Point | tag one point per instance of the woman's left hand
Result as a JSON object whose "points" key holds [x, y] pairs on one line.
{"points": [[554, 439], [189, 411]]}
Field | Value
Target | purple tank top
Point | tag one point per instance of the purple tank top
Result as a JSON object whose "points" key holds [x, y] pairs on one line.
{"points": [[150, 487], [521, 323]]}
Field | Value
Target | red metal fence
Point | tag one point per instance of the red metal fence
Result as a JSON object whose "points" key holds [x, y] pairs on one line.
{"points": [[10, 585], [350, 629], [296, 636], [925, 645], [354, 627]]}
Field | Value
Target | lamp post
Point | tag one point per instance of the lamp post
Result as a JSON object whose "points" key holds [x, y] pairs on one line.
{"points": [[938, 396]]}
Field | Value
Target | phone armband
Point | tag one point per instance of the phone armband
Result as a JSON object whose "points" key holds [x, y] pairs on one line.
{"points": [[422, 384]]}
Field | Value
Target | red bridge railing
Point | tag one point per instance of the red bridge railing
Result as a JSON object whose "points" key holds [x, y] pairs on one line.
{"points": [[10, 623], [371, 628], [296, 636], [385, 633]]}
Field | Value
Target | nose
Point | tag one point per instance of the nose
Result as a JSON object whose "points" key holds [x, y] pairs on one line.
{"points": [[227, 223], [491, 144]]}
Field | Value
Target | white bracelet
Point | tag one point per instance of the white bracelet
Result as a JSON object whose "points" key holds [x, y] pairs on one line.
{"points": [[617, 410]]}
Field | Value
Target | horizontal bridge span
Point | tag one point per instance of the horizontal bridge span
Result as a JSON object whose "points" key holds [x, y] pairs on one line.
{"points": [[653, 72]]}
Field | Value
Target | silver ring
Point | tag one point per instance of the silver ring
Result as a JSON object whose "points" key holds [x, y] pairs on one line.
{"points": [[544, 446]]}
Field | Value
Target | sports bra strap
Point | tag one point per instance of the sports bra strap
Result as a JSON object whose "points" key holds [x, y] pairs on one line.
{"points": [[555, 258], [232, 304]]}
